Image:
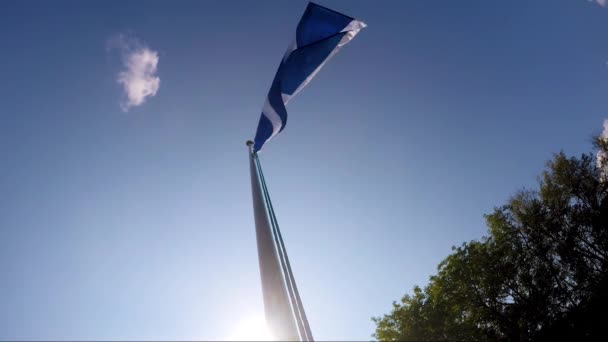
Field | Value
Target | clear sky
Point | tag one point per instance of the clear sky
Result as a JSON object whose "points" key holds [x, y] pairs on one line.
{"points": [[130, 217]]}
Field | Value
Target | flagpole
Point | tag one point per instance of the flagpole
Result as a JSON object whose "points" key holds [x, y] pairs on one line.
{"points": [[277, 306], [294, 294]]}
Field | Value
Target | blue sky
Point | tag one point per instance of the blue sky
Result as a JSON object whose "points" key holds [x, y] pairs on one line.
{"points": [[138, 224]]}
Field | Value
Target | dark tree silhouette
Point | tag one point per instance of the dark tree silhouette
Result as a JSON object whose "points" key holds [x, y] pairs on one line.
{"points": [[540, 274]]}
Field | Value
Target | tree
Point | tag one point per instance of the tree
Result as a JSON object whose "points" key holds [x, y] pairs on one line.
{"points": [[541, 273]]}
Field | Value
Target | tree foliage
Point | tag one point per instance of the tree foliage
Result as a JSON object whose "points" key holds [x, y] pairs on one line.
{"points": [[541, 273]]}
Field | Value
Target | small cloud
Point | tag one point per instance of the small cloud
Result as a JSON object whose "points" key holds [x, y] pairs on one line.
{"points": [[605, 131], [602, 3], [138, 78], [601, 155]]}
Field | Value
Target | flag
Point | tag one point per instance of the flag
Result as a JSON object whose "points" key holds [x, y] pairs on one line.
{"points": [[320, 34]]}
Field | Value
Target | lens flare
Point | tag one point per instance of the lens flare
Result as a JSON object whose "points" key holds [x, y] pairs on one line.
{"points": [[252, 329]]}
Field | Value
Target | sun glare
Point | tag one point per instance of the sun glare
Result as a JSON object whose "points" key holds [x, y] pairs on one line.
{"points": [[251, 329]]}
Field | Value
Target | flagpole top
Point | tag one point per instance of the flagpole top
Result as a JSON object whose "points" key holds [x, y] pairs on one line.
{"points": [[250, 144]]}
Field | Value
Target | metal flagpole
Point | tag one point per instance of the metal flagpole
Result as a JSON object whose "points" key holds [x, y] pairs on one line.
{"points": [[277, 306], [296, 301], [282, 254]]}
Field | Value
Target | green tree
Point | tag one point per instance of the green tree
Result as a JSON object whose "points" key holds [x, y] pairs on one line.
{"points": [[541, 273]]}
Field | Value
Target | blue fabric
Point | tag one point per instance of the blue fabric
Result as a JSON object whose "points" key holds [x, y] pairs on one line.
{"points": [[317, 36], [264, 132], [275, 98], [318, 23], [303, 62]]}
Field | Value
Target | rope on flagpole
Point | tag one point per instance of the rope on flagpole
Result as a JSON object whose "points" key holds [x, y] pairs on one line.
{"points": [[302, 320]]}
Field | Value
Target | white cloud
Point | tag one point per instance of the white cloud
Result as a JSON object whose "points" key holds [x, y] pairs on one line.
{"points": [[138, 78], [602, 3], [601, 156]]}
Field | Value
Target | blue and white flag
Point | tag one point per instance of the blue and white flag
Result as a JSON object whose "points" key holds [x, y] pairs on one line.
{"points": [[320, 34]]}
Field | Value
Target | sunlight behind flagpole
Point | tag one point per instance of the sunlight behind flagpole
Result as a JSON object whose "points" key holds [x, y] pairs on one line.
{"points": [[253, 328]]}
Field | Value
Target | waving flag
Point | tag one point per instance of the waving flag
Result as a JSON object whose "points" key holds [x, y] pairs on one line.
{"points": [[319, 35]]}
